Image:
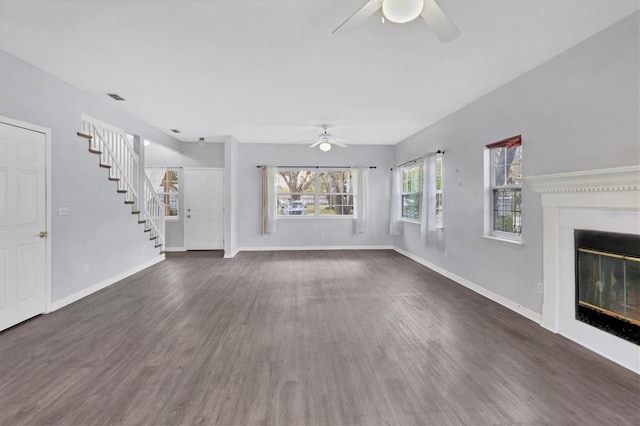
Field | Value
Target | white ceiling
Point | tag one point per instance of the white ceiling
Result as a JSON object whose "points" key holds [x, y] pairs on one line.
{"points": [[270, 71]]}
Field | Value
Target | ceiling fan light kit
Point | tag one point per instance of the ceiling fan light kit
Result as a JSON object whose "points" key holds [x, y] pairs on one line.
{"points": [[325, 146], [402, 11], [325, 141]]}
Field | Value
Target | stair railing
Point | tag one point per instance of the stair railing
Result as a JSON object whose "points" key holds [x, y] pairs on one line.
{"points": [[154, 213], [117, 154]]}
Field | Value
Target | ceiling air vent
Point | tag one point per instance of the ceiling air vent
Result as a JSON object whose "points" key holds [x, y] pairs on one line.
{"points": [[115, 96], [176, 131]]}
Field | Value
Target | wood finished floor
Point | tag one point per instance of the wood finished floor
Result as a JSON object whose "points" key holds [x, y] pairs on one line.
{"points": [[301, 338]]}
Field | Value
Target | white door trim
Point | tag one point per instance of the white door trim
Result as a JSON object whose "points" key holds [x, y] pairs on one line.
{"points": [[47, 135], [183, 197]]}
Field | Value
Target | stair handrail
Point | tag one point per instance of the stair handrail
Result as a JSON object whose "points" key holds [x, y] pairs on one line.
{"points": [[156, 222], [98, 131], [111, 128]]}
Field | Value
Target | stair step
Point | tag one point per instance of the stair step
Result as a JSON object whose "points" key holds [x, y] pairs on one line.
{"points": [[84, 135], [92, 149], [128, 202], [158, 245], [161, 251], [147, 230], [153, 238], [142, 221], [105, 166], [121, 191], [135, 212], [114, 179]]}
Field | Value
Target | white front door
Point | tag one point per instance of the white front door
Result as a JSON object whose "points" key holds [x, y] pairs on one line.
{"points": [[203, 209], [22, 224]]}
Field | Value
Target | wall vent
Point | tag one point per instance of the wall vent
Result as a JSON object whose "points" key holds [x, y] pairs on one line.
{"points": [[176, 131], [115, 96]]}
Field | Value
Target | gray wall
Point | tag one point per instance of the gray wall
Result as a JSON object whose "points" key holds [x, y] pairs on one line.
{"points": [[192, 155], [578, 111], [312, 232], [100, 231]]}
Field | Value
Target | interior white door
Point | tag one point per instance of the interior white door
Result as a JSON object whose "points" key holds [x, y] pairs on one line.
{"points": [[22, 224], [203, 208]]}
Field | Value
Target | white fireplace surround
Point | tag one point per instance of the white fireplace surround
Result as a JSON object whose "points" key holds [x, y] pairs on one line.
{"points": [[602, 200]]}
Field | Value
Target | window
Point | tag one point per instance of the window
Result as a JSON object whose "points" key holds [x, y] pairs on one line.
{"points": [[505, 159], [315, 193], [439, 207], [411, 192], [335, 193], [168, 192]]}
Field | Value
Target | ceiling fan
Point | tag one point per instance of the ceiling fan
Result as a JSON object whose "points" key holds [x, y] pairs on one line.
{"points": [[325, 141], [403, 11]]}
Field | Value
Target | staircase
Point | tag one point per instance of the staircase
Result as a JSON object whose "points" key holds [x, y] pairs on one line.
{"points": [[117, 154]]}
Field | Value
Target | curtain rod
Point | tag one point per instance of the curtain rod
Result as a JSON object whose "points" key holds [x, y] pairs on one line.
{"points": [[314, 167], [415, 160]]}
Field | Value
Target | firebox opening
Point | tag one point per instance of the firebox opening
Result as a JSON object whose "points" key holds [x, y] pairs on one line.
{"points": [[608, 282]]}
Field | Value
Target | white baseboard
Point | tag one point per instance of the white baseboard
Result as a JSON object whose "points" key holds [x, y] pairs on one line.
{"points": [[289, 248], [167, 249], [519, 309], [54, 306], [231, 255]]}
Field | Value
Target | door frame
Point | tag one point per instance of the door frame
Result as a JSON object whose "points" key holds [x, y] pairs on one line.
{"points": [[47, 197], [183, 186]]}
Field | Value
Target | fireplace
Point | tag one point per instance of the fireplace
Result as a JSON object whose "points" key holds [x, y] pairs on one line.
{"points": [[606, 200], [608, 282]]}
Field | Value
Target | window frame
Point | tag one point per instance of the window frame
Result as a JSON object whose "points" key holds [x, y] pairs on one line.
{"points": [[493, 188], [439, 203], [420, 193], [164, 195], [317, 194]]}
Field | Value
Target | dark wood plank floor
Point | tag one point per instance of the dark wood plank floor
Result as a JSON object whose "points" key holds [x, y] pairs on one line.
{"points": [[301, 338]]}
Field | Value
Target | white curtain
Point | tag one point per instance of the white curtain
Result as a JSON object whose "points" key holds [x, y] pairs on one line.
{"points": [[428, 207], [395, 213], [269, 200], [360, 177], [155, 175]]}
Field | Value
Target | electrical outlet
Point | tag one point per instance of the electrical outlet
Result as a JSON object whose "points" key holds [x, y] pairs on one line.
{"points": [[86, 267], [64, 211], [540, 288]]}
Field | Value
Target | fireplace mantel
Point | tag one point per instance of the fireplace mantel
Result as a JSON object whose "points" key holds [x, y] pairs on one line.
{"points": [[617, 179], [602, 199]]}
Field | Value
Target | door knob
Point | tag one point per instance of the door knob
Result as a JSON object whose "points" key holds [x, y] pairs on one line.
{"points": [[43, 234]]}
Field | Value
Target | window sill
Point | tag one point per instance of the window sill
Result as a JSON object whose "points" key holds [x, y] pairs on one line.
{"points": [[417, 222], [312, 217], [503, 241]]}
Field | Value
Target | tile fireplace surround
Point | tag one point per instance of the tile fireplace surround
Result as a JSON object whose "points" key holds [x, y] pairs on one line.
{"points": [[601, 200]]}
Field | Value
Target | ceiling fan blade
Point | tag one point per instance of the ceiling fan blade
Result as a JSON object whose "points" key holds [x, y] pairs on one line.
{"points": [[313, 145], [304, 141], [340, 144], [439, 22], [343, 140], [360, 16]]}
